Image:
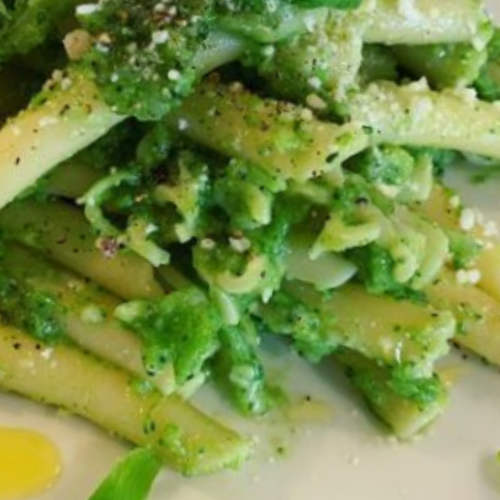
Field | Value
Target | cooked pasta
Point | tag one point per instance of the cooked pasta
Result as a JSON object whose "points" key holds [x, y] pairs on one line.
{"points": [[189, 177]]}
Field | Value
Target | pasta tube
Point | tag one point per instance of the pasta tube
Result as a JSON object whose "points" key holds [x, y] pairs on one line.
{"points": [[413, 115], [425, 21], [405, 416], [186, 440], [84, 312], [282, 138], [30, 143], [61, 233]]}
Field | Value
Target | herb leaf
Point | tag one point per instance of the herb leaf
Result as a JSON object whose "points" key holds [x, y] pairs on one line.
{"points": [[131, 478]]}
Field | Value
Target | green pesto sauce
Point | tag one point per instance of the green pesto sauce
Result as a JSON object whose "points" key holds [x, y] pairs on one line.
{"points": [[464, 248], [356, 192], [376, 267], [239, 371], [139, 73], [391, 165], [172, 333], [285, 314], [34, 311], [380, 385]]}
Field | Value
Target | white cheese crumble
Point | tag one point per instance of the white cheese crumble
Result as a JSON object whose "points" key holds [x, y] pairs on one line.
{"points": [[467, 219]]}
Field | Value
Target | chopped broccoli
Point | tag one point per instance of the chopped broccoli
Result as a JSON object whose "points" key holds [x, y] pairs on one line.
{"points": [[463, 247], [243, 191], [28, 308], [240, 371], [143, 59], [357, 192], [376, 271], [172, 333], [391, 165], [137, 42], [407, 404], [422, 391], [154, 147], [285, 314]]}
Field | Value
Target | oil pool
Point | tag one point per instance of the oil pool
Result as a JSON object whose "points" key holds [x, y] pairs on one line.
{"points": [[29, 463]]}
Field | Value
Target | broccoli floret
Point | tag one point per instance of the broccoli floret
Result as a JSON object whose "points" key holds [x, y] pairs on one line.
{"points": [[173, 333]]}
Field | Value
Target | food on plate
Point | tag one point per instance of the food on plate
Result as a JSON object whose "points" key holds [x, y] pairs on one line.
{"points": [[180, 179]]}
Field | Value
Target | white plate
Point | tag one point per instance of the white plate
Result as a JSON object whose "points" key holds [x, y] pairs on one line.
{"points": [[349, 458]]}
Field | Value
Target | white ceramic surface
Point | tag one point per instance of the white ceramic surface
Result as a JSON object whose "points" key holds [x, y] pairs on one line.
{"points": [[347, 457]]}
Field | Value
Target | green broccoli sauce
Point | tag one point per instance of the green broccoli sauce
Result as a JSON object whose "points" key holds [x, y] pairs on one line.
{"points": [[375, 270], [240, 372], [173, 333], [140, 74], [387, 164], [235, 251], [246, 194], [379, 385], [422, 391], [356, 192], [464, 248], [285, 314], [487, 85], [154, 147], [34, 311], [219, 259]]}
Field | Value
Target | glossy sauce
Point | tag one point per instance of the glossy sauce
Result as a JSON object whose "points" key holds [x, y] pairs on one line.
{"points": [[29, 463]]}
